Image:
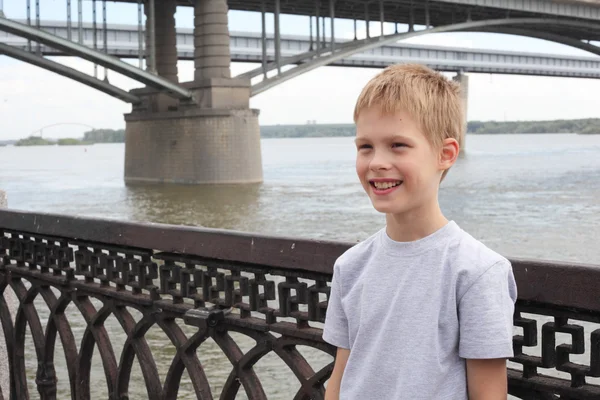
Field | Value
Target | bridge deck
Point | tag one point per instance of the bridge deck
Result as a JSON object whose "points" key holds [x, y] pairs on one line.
{"points": [[247, 47], [437, 12]]}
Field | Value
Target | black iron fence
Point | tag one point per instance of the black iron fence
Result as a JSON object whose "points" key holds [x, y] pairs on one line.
{"points": [[200, 285]]}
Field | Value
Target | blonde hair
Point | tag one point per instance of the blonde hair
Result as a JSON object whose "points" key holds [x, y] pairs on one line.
{"points": [[429, 97]]}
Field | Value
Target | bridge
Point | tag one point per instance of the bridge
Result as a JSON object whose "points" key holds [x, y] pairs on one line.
{"points": [[204, 131], [123, 41]]}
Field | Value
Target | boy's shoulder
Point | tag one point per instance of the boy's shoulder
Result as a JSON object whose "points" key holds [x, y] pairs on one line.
{"points": [[360, 252], [462, 247], [462, 256], [472, 255], [471, 259]]}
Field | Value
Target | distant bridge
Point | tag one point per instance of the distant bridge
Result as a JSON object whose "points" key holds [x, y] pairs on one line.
{"points": [[123, 42]]}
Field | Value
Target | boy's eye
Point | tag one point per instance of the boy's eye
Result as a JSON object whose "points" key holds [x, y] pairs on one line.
{"points": [[364, 146], [399, 145]]}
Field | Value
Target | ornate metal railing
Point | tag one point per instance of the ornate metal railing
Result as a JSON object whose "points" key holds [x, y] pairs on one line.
{"points": [[246, 296]]}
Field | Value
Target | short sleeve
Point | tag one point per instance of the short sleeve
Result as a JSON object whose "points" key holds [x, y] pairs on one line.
{"points": [[335, 331], [485, 314]]}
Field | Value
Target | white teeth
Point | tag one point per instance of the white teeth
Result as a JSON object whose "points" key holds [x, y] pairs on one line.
{"points": [[386, 185]]}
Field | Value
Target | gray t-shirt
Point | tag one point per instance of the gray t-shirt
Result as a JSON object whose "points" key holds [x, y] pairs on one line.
{"points": [[412, 312]]}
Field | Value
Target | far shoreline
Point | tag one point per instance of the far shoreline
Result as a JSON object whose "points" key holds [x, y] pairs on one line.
{"points": [[84, 144], [588, 126]]}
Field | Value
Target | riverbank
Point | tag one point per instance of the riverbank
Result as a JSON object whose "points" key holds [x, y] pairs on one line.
{"points": [[89, 138], [588, 126], [578, 126], [38, 141]]}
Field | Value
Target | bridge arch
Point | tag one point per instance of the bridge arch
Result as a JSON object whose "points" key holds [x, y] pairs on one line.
{"points": [[517, 26], [304, 62], [41, 130], [552, 37], [97, 57], [68, 72]]}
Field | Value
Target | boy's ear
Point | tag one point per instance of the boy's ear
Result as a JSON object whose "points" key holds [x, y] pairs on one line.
{"points": [[449, 153]]}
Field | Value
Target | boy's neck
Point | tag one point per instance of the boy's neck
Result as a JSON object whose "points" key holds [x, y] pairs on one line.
{"points": [[414, 225]]}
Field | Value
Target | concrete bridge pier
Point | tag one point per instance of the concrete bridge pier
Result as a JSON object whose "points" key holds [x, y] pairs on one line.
{"points": [[161, 48], [213, 139], [463, 81]]}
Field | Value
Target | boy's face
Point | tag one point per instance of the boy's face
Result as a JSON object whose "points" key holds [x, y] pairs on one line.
{"points": [[397, 166]]}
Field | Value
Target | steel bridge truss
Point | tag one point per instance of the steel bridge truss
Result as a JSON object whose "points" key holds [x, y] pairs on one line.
{"points": [[97, 57], [123, 42], [323, 50]]}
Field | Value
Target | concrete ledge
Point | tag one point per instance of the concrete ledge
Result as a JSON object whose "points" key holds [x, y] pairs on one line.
{"points": [[202, 84], [213, 93], [133, 181], [193, 112], [218, 82]]}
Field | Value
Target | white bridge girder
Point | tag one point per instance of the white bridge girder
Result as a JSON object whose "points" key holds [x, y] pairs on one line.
{"points": [[95, 56], [247, 46], [572, 9], [309, 60], [68, 72], [122, 41]]}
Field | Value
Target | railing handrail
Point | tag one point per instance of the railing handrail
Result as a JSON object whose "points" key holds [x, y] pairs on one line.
{"points": [[563, 284], [267, 251]]}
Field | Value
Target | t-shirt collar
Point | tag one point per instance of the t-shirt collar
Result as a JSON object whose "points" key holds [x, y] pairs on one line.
{"points": [[434, 239]]}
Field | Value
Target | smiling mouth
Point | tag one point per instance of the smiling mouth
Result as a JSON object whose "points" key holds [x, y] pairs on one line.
{"points": [[384, 186]]}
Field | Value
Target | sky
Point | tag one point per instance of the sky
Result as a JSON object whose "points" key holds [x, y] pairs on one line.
{"points": [[32, 98]]}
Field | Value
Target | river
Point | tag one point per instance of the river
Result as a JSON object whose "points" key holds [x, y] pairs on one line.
{"points": [[533, 196]]}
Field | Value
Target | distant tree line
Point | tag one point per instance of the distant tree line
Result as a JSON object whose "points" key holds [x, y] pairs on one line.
{"points": [[105, 136], [90, 137], [311, 130], [582, 126], [39, 141], [34, 141]]}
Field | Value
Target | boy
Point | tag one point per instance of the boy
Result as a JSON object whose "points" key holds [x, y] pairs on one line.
{"points": [[420, 310]]}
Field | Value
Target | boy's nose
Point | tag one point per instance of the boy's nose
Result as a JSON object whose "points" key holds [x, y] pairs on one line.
{"points": [[380, 162]]}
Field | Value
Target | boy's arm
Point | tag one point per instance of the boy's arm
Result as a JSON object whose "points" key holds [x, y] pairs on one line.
{"points": [[333, 385], [486, 379], [486, 331]]}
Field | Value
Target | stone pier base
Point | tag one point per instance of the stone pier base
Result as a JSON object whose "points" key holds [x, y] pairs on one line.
{"points": [[200, 146], [215, 140]]}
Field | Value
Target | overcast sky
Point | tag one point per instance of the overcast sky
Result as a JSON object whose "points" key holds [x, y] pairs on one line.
{"points": [[31, 98]]}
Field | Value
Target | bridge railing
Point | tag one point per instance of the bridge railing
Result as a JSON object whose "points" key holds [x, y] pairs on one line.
{"points": [[178, 298]]}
